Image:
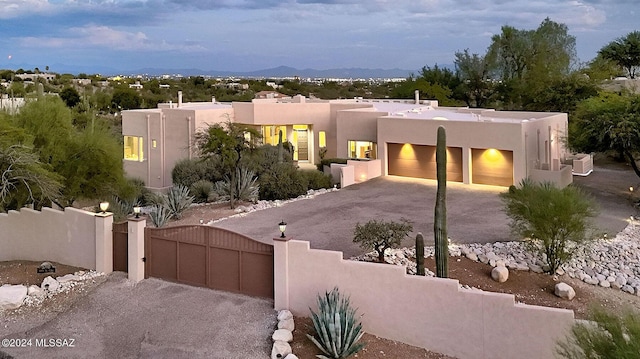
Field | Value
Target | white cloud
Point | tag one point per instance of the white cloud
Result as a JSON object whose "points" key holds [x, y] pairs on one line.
{"points": [[109, 39], [15, 8]]}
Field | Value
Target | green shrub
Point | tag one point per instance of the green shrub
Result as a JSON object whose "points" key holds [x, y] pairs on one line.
{"points": [[188, 171], [606, 336], [336, 326], [121, 208], [282, 181], [202, 191], [247, 188], [178, 200], [154, 199], [329, 161], [316, 179]]}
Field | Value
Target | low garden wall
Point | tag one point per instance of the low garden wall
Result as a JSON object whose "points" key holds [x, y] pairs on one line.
{"points": [[72, 237], [432, 313]]}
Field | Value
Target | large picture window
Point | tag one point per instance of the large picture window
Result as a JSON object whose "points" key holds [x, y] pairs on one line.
{"points": [[133, 148], [363, 149]]}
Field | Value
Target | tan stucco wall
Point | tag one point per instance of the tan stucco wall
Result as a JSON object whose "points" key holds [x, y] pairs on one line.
{"points": [[356, 125], [427, 312], [67, 237]]}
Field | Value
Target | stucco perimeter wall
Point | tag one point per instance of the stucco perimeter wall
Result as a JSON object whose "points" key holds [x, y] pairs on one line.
{"points": [[432, 313], [67, 237], [356, 125]]}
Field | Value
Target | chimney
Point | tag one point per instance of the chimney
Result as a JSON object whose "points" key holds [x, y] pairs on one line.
{"points": [[417, 95], [179, 99]]}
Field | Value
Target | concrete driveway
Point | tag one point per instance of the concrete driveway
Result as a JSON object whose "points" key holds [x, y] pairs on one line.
{"points": [[474, 212], [153, 319]]}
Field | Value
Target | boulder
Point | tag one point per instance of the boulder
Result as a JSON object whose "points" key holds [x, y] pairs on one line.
{"points": [[284, 314], [605, 283], [472, 256], [282, 335], [287, 324], [12, 296], [291, 356], [50, 284], [280, 350], [535, 268], [34, 290], [500, 274], [563, 290]]}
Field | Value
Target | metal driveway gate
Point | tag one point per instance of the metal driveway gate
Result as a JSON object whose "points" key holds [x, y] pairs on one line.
{"points": [[210, 257]]}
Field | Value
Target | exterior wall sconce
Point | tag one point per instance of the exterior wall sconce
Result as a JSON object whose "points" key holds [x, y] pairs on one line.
{"points": [[104, 206], [137, 210], [283, 226]]}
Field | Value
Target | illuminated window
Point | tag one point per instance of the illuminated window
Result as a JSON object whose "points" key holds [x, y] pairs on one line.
{"points": [[363, 149], [322, 139], [270, 134], [133, 148]]}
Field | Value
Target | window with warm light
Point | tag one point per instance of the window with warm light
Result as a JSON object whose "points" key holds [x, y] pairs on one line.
{"points": [[133, 148], [363, 149], [322, 139]]}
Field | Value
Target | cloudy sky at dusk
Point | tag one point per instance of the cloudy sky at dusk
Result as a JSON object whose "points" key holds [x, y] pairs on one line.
{"points": [[245, 35]]}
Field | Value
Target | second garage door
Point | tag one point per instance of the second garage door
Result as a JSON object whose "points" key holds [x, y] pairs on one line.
{"points": [[492, 167], [410, 160]]}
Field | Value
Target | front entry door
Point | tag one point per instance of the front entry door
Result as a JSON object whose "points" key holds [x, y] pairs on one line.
{"points": [[303, 146]]}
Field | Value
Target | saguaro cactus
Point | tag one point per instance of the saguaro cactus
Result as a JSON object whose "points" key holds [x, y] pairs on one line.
{"points": [[419, 254], [280, 155], [440, 217]]}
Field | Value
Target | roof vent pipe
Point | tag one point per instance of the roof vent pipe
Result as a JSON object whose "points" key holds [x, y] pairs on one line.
{"points": [[417, 95], [179, 98]]}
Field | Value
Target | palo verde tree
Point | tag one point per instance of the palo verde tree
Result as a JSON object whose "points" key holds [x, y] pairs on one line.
{"points": [[609, 122], [552, 221], [381, 235], [625, 52], [229, 142]]}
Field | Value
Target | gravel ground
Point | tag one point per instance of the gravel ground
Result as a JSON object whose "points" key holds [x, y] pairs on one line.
{"points": [[152, 319]]}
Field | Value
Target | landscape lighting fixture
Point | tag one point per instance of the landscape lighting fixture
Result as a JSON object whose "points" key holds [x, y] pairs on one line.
{"points": [[104, 206], [283, 226], [137, 210], [631, 189]]}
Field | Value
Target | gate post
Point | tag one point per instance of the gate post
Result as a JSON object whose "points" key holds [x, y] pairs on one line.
{"points": [[104, 242], [281, 273], [135, 257]]}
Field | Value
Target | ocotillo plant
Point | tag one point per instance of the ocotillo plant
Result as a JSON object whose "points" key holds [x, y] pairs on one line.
{"points": [[280, 155], [419, 254], [440, 217]]}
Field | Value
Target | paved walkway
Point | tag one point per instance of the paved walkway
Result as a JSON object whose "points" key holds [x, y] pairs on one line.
{"points": [[153, 319]]}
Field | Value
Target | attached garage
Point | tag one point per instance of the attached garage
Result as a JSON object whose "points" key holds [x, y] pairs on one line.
{"points": [[409, 160], [492, 167]]}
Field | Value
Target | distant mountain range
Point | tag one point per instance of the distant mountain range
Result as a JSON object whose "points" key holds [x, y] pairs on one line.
{"points": [[285, 71], [280, 71]]}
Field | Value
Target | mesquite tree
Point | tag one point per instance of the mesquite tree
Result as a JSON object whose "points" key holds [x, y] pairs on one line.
{"points": [[381, 235]]}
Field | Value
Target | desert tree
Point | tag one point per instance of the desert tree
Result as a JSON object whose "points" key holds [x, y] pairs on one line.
{"points": [[625, 52], [381, 235], [553, 222]]}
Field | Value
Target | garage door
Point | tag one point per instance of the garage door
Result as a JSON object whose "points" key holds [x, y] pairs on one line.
{"points": [[409, 160], [492, 167]]}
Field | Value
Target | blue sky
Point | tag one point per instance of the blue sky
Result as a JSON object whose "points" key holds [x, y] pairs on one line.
{"points": [[245, 35]]}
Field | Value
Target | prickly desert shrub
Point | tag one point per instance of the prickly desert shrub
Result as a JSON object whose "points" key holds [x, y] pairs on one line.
{"points": [[188, 171], [154, 199], [247, 188], [202, 190], [336, 326], [329, 161], [159, 215], [121, 208], [381, 235], [605, 336], [178, 200], [316, 179]]}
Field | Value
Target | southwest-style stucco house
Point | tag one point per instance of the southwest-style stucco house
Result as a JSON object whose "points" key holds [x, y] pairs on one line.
{"points": [[484, 146]]}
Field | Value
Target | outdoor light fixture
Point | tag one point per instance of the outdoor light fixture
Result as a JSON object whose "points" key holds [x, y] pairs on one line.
{"points": [[136, 210], [283, 226], [631, 189], [104, 206]]}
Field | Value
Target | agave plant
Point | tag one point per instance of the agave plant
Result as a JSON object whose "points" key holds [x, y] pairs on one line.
{"points": [[178, 200], [337, 327], [246, 187], [121, 207], [159, 215]]}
